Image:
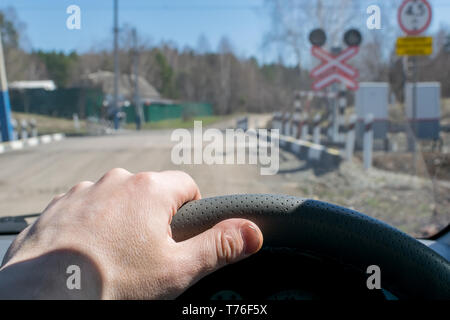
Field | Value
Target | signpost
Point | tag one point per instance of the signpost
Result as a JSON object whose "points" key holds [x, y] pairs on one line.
{"points": [[7, 133], [414, 17]]}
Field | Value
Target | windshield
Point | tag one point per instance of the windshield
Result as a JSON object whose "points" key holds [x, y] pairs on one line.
{"points": [[343, 101]]}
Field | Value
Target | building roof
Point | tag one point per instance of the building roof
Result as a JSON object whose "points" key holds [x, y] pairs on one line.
{"points": [[105, 80]]}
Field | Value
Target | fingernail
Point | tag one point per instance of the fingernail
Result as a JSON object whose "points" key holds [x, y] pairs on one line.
{"points": [[251, 237]]}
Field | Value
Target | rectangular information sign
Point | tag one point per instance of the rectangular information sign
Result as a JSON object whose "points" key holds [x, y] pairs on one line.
{"points": [[414, 46]]}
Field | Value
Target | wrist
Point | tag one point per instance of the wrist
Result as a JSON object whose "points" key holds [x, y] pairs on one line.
{"points": [[59, 274]]}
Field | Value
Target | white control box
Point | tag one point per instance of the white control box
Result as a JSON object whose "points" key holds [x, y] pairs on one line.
{"points": [[425, 119], [428, 101], [372, 98]]}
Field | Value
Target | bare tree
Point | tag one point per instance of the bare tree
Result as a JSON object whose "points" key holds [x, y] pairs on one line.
{"points": [[292, 20], [20, 65]]}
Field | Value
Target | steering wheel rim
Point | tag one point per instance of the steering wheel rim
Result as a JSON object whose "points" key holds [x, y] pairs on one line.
{"points": [[409, 269]]}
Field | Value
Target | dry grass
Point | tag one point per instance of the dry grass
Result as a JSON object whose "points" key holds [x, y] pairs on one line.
{"points": [[46, 124]]}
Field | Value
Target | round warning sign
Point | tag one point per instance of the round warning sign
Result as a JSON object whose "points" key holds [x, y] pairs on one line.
{"points": [[414, 16]]}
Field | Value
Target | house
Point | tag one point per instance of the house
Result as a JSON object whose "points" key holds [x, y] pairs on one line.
{"points": [[105, 81]]}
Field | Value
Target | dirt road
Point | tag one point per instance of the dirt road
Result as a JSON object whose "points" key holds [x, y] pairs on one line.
{"points": [[31, 177]]}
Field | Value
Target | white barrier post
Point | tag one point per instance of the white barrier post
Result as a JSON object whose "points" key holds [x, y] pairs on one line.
{"points": [[305, 128], [14, 125], [316, 131], [23, 128], [340, 118], [33, 126], [295, 132], [296, 124], [287, 124], [276, 121], [76, 122], [350, 138], [330, 127], [315, 151], [368, 141], [285, 117]]}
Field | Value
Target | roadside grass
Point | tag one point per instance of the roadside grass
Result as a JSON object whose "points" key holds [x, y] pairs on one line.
{"points": [[178, 123], [47, 124]]}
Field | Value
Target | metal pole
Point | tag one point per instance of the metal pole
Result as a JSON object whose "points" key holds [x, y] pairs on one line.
{"points": [[335, 127], [334, 101], [414, 114], [350, 138], [116, 66], [368, 141], [7, 133], [137, 98]]}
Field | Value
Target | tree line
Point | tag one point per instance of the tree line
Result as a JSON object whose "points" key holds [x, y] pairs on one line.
{"points": [[221, 77], [229, 82]]}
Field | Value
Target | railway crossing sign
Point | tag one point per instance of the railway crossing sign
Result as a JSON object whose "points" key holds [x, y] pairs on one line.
{"points": [[414, 16], [334, 68]]}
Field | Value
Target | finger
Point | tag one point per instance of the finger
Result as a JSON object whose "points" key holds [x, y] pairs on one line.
{"points": [[54, 200], [227, 242], [114, 175], [174, 189], [83, 185]]}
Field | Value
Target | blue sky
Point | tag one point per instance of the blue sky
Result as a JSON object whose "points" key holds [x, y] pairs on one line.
{"points": [[183, 21]]}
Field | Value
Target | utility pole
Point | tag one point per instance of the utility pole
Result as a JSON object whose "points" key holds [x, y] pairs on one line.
{"points": [[116, 107], [336, 50], [137, 98], [5, 108], [414, 115]]}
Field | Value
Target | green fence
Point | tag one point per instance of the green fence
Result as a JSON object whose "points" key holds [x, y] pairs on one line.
{"points": [[158, 112], [58, 103], [87, 102]]}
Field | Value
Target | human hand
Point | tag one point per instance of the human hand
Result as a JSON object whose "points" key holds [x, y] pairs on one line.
{"points": [[117, 231]]}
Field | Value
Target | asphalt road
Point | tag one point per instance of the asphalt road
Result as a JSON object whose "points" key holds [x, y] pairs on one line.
{"points": [[31, 177]]}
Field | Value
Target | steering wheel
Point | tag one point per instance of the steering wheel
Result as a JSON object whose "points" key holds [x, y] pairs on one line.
{"points": [[330, 234]]}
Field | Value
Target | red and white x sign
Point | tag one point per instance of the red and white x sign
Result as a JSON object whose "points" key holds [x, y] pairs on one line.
{"points": [[334, 68], [335, 77]]}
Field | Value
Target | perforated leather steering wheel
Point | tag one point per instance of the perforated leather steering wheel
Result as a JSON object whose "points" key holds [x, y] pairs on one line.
{"points": [[409, 268]]}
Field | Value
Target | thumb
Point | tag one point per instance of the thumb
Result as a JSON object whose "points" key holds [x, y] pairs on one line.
{"points": [[227, 242]]}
